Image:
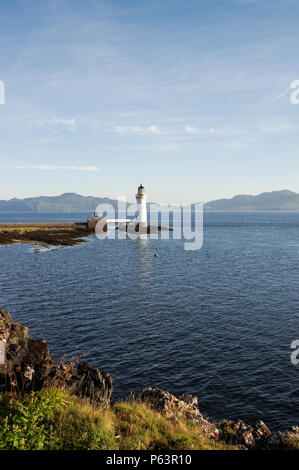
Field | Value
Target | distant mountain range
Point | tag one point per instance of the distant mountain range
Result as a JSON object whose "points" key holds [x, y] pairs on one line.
{"points": [[69, 202], [276, 200]]}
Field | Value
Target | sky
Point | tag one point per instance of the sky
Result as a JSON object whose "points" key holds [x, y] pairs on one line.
{"points": [[190, 97]]}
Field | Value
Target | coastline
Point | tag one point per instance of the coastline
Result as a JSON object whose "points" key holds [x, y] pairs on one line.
{"points": [[28, 368], [44, 233], [62, 233]]}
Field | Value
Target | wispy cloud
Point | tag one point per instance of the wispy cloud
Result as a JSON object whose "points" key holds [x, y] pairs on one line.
{"points": [[51, 167], [195, 130], [154, 129], [125, 130], [191, 130], [128, 129], [70, 124]]}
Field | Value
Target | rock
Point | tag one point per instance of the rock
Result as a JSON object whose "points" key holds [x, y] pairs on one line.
{"points": [[244, 435], [172, 407], [15, 337], [283, 440], [87, 382], [28, 366], [190, 400], [261, 433]]}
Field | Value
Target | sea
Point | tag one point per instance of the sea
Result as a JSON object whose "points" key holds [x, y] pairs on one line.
{"points": [[217, 322]]}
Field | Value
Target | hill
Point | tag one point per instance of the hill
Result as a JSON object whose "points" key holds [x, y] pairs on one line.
{"points": [[66, 202], [276, 200]]}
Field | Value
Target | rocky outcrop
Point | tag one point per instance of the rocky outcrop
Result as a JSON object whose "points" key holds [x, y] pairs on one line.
{"points": [[245, 436], [283, 440], [28, 366], [258, 436], [85, 382], [19, 347], [172, 407]]}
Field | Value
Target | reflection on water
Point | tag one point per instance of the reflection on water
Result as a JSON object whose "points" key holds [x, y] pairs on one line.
{"points": [[144, 256]]}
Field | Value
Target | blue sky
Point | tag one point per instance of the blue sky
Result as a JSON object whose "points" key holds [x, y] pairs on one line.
{"points": [[189, 97]]}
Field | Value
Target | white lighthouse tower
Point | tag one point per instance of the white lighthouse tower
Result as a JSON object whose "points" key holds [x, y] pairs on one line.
{"points": [[141, 215]]}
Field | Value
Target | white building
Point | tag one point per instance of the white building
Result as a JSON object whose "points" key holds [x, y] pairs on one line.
{"points": [[141, 214]]}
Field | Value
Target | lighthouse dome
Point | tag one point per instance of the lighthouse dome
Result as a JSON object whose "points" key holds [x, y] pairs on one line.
{"points": [[140, 189]]}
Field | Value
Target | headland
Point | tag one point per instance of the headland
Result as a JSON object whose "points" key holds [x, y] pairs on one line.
{"points": [[45, 234]]}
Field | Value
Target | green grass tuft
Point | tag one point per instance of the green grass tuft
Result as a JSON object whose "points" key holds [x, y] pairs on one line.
{"points": [[52, 419]]}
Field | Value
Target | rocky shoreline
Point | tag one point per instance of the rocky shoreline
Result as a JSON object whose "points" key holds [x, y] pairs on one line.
{"points": [[28, 367], [44, 234]]}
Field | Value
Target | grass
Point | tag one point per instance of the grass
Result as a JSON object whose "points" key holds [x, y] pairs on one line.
{"points": [[139, 427], [52, 419], [226, 431]]}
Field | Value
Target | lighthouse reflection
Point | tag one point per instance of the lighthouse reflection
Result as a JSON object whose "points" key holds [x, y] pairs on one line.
{"points": [[145, 259]]}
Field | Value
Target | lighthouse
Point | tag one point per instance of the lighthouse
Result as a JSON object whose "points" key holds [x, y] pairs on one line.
{"points": [[141, 215]]}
